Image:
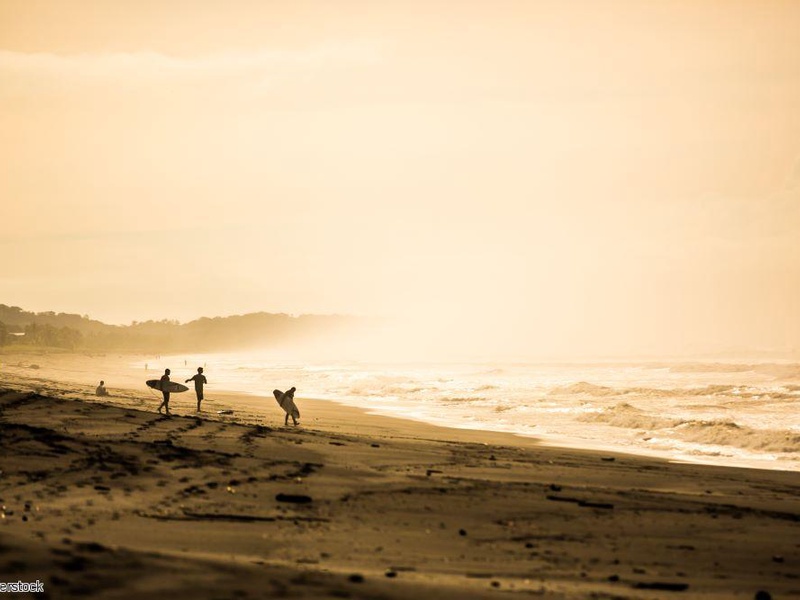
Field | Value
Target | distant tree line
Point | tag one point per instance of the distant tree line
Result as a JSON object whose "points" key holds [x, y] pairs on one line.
{"points": [[57, 337], [73, 332]]}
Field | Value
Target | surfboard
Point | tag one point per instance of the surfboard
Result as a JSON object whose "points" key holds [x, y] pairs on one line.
{"points": [[286, 403], [172, 386]]}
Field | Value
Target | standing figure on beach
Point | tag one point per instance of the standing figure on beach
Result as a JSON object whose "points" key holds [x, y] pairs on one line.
{"points": [[101, 389], [286, 402], [164, 388], [199, 382]]}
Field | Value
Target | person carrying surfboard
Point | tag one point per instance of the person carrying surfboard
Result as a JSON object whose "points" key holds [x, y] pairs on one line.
{"points": [[286, 402], [199, 382], [164, 388]]}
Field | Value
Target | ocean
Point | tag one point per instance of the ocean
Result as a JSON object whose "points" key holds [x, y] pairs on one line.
{"points": [[716, 413]]}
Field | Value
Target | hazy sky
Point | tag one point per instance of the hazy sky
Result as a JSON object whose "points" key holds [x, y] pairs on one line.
{"points": [[535, 178]]}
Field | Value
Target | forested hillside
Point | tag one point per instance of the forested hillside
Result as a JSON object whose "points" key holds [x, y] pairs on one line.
{"points": [[73, 332]]}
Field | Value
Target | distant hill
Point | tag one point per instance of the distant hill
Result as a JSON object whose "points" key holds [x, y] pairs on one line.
{"points": [[16, 319], [206, 334]]}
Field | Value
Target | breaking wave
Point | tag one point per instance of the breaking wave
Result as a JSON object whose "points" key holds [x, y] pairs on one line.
{"points": [[582, 387], [711, 432], [460, 400], [728, 433], [629, 417], [792, 392]]}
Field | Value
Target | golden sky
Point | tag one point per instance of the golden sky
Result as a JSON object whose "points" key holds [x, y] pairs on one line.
{"points": [[531, 178]]}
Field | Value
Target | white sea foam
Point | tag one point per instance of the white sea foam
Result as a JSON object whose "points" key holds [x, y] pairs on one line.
{"points": [[725, 414]]}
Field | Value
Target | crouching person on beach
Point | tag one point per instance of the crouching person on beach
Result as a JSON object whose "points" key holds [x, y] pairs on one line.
{"points": [[286, 402]]}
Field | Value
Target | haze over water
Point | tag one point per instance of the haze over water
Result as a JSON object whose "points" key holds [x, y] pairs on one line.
{"points": [[534, 179]]}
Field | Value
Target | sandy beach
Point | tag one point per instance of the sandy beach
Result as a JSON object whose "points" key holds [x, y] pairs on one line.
{"points": [[105, 498]]}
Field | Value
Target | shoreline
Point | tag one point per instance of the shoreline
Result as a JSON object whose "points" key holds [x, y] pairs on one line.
{"points": [[103, 496], [60, 367], [249, 408]]}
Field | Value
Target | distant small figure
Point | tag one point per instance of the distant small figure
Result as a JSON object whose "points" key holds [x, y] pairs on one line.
{"points": [[101, 389], [145, 366], [199, 381], [164, 387], [286, 402]]}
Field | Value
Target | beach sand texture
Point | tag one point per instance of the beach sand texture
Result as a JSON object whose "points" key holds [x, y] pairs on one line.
{"points": [[110, 500]]}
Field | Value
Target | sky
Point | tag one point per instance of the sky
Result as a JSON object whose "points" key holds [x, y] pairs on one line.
{"points": [[517, 179]]}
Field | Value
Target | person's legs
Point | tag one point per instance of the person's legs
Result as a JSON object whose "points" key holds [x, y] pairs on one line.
{"points": [[166, 402], [199, 399]]}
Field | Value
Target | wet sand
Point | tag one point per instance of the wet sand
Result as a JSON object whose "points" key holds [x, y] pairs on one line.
{"points": [[107, 499]]}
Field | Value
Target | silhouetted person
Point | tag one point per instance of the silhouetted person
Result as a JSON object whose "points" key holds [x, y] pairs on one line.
{"points": [[199, 382], [164, 388], [101, 389], [286, 402]]}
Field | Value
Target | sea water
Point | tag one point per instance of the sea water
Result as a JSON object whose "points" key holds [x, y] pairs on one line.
{"points": [[718, 413]]}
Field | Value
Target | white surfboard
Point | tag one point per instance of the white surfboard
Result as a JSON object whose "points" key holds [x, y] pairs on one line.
{"points": [[286, 402]]}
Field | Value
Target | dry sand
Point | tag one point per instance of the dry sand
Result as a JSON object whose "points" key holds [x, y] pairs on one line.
{"points": [[104, 498]]}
